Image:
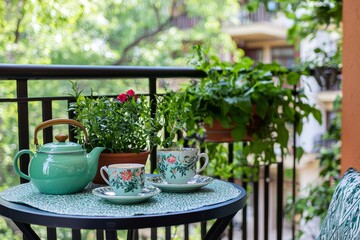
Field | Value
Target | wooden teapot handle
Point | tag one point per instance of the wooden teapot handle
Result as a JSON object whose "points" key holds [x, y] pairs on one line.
{"points": [[58, 121]]}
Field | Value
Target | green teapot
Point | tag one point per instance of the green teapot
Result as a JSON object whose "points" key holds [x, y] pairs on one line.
{"points": [[59, 167]]}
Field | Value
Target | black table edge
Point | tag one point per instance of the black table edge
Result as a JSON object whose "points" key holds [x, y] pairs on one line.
{"points": [[26, 214]]}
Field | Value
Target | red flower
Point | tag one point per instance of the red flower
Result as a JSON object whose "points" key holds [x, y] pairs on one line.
{"points": [[122, 97], [130, 92], [171, 159], [126, 175]]}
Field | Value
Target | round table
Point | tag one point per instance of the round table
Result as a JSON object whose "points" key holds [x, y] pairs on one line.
{"points": [[23, 216]]}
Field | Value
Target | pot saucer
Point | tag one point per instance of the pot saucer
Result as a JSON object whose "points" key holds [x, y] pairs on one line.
{"points": [[108, 194], [193, 184]]}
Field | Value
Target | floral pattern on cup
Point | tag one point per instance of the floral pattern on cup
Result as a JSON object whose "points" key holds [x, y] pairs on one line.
{"points": [[124, 179], [128, 180], [182, 167], [179, 165]]}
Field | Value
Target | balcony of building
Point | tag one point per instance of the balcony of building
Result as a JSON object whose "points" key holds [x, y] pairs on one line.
{"points": [[260, 25]]}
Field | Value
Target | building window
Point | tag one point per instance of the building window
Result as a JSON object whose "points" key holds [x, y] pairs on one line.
{"points": [[256, 54], [285, 56]]}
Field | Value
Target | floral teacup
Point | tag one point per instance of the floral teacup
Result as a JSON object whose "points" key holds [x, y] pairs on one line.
{"points": [[125, 179], [179, 165]]}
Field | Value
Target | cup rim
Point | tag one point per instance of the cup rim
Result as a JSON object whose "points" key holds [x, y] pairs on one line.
{"points": [[126, 165], [177, 149]]}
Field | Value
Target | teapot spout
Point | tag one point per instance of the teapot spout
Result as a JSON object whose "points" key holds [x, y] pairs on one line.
{"points": [[93, 160]]}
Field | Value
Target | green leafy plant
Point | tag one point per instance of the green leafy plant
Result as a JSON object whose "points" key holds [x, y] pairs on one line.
{"points": [[323, 58], [326, 59], [172, 112], [237, 93], [317, 199], [121, 124], [325, 67]]}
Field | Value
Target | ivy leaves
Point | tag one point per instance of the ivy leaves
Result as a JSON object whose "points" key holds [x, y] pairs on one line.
{"points": [[242, 93]]}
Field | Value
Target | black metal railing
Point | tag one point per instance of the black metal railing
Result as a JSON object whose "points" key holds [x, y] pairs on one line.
{"points": [[254, 222]]}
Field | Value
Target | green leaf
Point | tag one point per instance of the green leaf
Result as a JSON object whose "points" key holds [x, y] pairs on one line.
{"points": [[290, 15], [252, 6], [238, 133], [262, 107], [299, 153], [317, 115], [289, 112], [299, 127], [283, 134], [244, 103], [293, 78]]}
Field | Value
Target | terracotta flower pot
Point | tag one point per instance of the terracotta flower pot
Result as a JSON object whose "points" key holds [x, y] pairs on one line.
{"points": [[217, 133], [114, 158]]}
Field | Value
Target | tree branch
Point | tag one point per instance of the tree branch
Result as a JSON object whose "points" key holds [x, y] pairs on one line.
{"points": [[19, 20], [148, 34]]}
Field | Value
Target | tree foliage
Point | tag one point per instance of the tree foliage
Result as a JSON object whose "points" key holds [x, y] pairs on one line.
{"points": [[308, 16], [109, 32]]}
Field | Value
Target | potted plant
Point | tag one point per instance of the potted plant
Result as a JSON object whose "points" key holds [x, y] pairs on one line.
{"points": [[325, 68], [247, 99], [123, 125]]}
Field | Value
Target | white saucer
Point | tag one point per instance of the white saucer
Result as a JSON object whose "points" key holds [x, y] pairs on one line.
{"points": [[193, 184], [108, 194]]}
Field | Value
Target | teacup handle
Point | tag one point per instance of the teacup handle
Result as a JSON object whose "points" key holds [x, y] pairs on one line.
{"points": [[102, 169], [204, 155]]}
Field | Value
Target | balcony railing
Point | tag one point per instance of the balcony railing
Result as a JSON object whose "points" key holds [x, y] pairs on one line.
{"points": [[260, 15], [262, 218]]}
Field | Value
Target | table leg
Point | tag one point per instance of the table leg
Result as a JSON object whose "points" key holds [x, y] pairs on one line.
{"points": [[111, 234], [99, 234], [218, 228], [28, 232], [130, 234]]}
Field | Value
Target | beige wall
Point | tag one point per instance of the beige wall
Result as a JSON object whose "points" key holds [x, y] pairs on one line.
{"points": [[351, 86]]}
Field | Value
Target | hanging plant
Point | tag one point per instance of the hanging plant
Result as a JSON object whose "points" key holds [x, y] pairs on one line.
{"points": [[233, 93]]}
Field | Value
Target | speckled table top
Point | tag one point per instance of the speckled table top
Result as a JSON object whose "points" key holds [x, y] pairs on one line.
{"points": [[86, 204]]}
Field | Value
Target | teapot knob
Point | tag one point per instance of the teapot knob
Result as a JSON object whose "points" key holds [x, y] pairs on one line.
{"points": [[61, 137]]}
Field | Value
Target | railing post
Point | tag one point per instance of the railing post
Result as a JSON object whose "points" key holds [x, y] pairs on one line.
{"points": [[231, 179], [152, 93], [293, 223], [244, 210], [280, 189], [266, 200], [256, 202], [46, 115], [23, 123]]}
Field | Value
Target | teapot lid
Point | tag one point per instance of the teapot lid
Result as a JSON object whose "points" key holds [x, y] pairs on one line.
{"points": [[61, 147]]}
